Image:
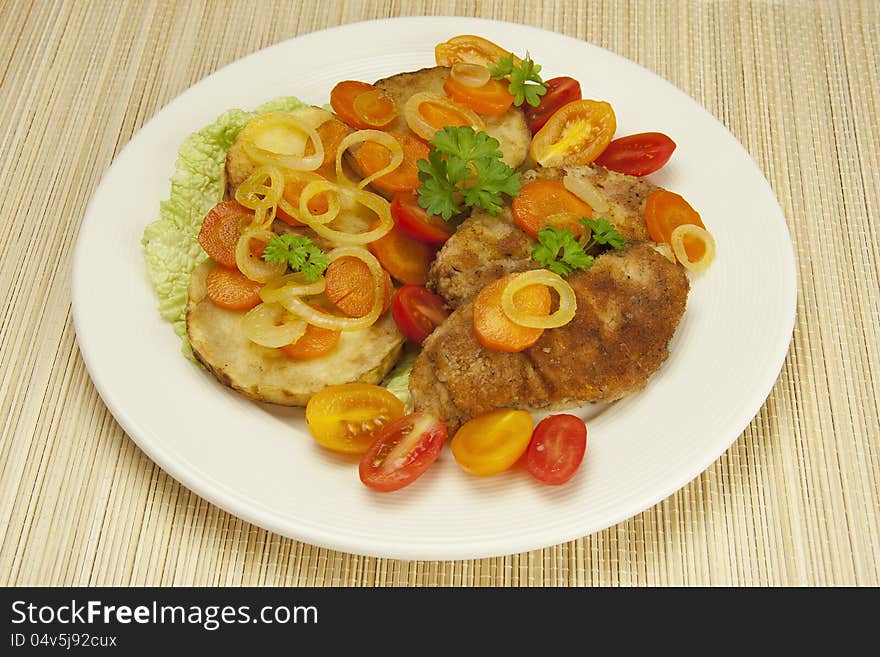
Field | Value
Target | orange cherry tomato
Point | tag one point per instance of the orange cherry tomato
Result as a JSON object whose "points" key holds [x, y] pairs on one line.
{"points": [[345, 417], [470, 49], [664, 212], [406, 259], [493, 328], [230, 289], [314, 343], [575, 135], [402, 452], [362, 105], [543, 203], [492, 98], [372, 157], [221, 229], [492, 442]]}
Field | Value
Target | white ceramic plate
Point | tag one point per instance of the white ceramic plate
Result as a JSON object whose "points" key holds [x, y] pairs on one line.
{"points": [[258, 462]]}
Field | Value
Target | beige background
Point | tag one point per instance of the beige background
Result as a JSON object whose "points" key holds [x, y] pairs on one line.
{"points": [[796, 500]]}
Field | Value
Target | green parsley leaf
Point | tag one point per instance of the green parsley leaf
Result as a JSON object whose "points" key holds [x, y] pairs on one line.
{"points": [[299, 253], [521, 78], [604, 232], [559, 251], [464, 169]]}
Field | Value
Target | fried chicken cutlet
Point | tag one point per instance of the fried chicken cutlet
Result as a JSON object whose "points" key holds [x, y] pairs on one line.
{"points": [[629, 305], [485, 248]]}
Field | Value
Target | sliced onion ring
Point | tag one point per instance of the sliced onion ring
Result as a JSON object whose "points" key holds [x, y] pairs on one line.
{"points": [[295, 284], [381, 138], [695, 232], [567, 300], [255, 268], [419, 125], [321, 319], [363, 101], [290, 160], [293, 210], [261, 192], [587, 192], [270, 325], [470, 75], [374, 202]]}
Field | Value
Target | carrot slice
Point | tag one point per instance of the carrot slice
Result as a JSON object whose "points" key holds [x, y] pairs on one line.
{"points": [[492, 327], [331, 132], [292, 191], [541, 199], [492, 98], [362, 105], [221, 229], [664, 212], [230, 289], [314, 343], [350, 287], [405, 258], [372, 157]]}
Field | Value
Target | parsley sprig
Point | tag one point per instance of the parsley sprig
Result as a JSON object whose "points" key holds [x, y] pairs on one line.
{"points": [[559, 251], [464, 167], [299, 252], [526, 84], [603, 232]]}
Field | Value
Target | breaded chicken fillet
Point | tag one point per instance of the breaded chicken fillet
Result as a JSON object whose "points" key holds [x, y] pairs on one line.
{"points": [[629, 304]]}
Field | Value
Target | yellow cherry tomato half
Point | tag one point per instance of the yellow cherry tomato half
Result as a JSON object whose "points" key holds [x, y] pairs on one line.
{"points": [[345, 418], [575, 135], [492, 442]]}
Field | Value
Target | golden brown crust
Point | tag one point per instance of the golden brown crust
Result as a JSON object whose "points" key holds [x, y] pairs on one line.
{"points": [[629, 305]]}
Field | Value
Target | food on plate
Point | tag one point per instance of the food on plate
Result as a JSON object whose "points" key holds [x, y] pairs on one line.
{"points": [[629, 304], [268, 374], [468, 235]]}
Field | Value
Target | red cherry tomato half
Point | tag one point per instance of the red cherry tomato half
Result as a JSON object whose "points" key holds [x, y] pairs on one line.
{"points": [[557, 448], [637, 155], [412, 219], [560, 91], [417, 312], [403, 450]]}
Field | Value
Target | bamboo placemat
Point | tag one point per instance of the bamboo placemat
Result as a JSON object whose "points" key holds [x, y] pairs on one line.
{"points": [[795, 501]]}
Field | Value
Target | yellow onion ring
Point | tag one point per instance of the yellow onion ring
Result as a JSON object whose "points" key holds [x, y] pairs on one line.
{"points": [[321, 319], [470, 75], [262, 198], [382, 138], [293, 211], [690, 230], [255, 268], [295, 284], [363, 100], [567, 300], [297, 161], [374, 202], [419, 125], [270, 325], [587, 192]]}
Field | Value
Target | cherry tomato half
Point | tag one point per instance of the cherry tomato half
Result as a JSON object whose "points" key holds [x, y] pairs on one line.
{"points": [[557, 448], [345, 417], [560, 91], [575, 135], [637, 155], [417, 312], [492, 442], [402, 452], [412, 219]]}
